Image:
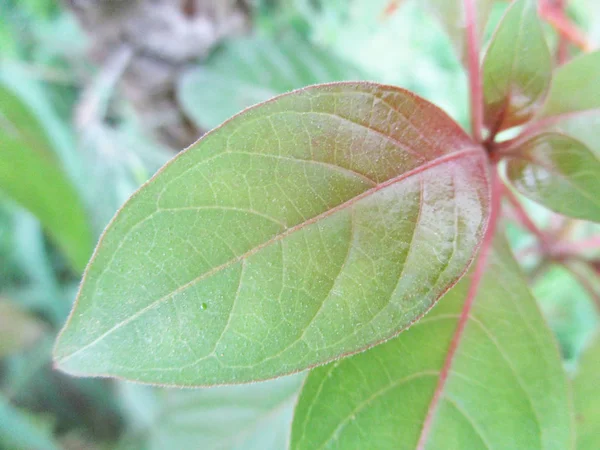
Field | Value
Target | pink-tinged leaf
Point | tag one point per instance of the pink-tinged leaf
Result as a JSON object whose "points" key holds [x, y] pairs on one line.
{"points": [[504, 385], [558, 172], [516, 69], [309, 227]]}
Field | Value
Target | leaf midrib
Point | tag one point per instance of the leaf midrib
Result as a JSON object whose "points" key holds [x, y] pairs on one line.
{"points": [[465, 152]]}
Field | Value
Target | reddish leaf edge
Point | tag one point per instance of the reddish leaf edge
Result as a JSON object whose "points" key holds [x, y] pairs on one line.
{"points": [[485, 228], [478, 272]]}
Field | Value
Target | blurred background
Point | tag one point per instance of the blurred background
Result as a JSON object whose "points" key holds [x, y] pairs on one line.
{"points": [[95, 95]]}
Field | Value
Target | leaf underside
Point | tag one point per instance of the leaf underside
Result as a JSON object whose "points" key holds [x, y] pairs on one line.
{"points": [[558, 172], [309, 227], [505, 389]]}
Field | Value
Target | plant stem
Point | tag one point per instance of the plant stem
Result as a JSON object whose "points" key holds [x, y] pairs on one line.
{"points": [[584, 282], [554, 14], [523, 217], [478, 272], [475, 84], [573, 248]]}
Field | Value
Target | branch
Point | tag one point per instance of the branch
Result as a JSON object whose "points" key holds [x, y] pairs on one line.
{"points": [[523, 217], [553, 13], [478, 272], [475, 85]]}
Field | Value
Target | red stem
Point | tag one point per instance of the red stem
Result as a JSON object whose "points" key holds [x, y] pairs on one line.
{"points": [[478, 271], [573, 248], [475, 84], [554, 14], [522, 216]]}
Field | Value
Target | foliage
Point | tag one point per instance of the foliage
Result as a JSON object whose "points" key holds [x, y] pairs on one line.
{"points": [[307, 234]]}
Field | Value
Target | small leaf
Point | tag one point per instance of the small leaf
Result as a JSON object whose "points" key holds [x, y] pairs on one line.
{"points": [[575, 87], [516, 69], [451, 15], [18, 329], [31, 175], [249, 417], [586, 397], [311, 226], [247, 71], [558, 172], [505, 389]]}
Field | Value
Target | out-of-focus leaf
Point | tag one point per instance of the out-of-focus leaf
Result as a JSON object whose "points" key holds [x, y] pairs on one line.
{"points": [[251, 70], [558, 172], [586, 396], [31, 174], [18, 431], [517, 68], [249, 417], [567, 309], [505, 389], [18, 328], [311, 226], [451, 14], [575, 87]]}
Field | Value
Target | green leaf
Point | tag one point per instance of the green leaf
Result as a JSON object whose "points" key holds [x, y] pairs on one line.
{"points": [[517, 68], [251, 70], [558, 172], [18, 329], [451, 15], [586, 397], [248, 417], [311, 226], [575, 87], [31, 174], [505, 388]]}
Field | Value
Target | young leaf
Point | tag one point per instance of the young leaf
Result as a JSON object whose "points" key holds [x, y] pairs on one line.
{"points": [[247, 417], [558, 172], [516, 69], [586, 397], [251, 70], [451, 15], [309, 227], [31, 175], [505, 387]]}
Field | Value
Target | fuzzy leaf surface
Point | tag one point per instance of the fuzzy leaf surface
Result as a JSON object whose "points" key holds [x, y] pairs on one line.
{"points": [[309, 227], [517, 68], [559, 172], [505, 389]]}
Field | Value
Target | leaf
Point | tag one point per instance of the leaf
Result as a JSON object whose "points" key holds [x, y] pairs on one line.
{"points": [[311, 226], [505, 387], [558, 172], [31, 175], [516, 70], [586, 397], [573, 103], [451, 15], [249, 417], [18, 329], [251, 70], [575, 87]]}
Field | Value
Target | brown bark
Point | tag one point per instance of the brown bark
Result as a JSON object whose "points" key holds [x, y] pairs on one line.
{"points": [[162, 38]]}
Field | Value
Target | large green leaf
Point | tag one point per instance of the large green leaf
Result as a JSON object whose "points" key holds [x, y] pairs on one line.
{"points": [[586, 396], [251, 70], [32, 175], [505, 388], [451, 15], [311, 226], [249, 417], [517, 68], [558, 172]]}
